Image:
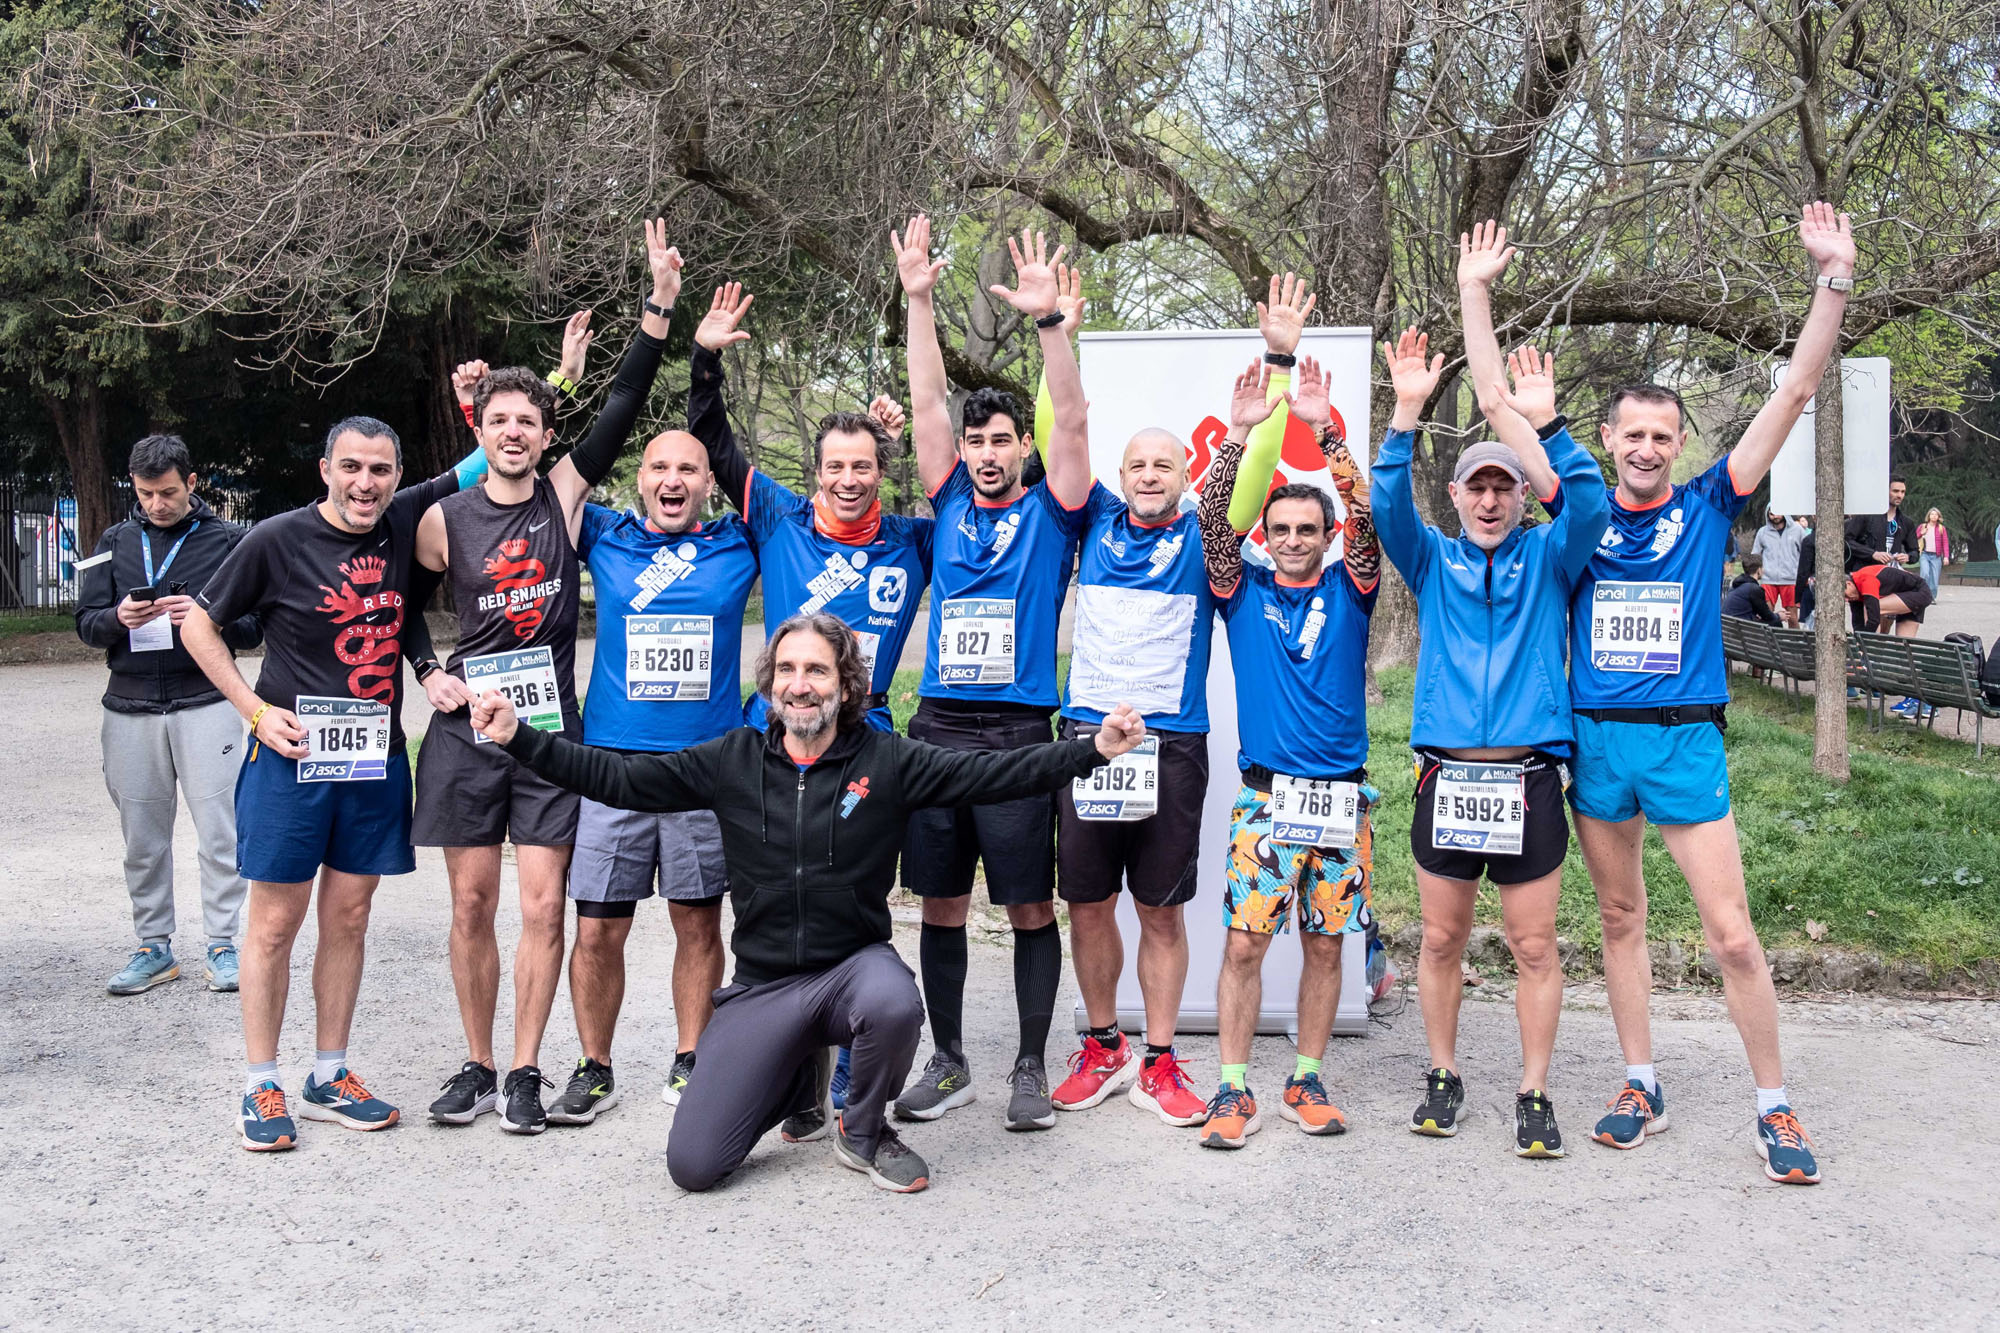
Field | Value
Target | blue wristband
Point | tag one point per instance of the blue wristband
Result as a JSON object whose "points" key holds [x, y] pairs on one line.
{"points": [[471, 468]]}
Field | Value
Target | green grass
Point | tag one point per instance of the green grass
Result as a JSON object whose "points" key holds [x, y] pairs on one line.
{"points": [[36, 622]]}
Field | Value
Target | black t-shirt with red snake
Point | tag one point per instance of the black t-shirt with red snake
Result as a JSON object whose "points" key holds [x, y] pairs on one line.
{"points": [[332, 601], [514, 577]]}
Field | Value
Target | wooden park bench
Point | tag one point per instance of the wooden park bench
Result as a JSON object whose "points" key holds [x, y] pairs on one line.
{"points": [[1788, 652]]}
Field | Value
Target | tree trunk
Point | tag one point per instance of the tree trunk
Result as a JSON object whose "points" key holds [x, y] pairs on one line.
{"points": [[79, 422], [1829, 578], [446, 440]]}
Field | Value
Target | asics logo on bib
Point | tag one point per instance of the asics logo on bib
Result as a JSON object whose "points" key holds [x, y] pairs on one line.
{"points": [[888, 585], [670, 566], [838, 576]]}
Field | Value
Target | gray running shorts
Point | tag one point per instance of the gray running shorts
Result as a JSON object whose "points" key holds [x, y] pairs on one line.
{"points": [[619, 854]]}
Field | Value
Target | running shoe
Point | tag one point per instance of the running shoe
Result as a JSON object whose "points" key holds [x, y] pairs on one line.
{"points": [[222, 967], [1163, 1089], [842, 1076], [945, 1084], [1232, 1118], [267, 1123], [1095, 1072], [814, 1122], [1635, 1113], [521, 1101], [1306, 1105], [895, 1166], [589, 1094], [150, 965], [1906, 708], [1437, 1115], [1029, 1107], [346, 1101], [1786, 1148], [677, 1078], [468, 1094], [1535, 1132]]}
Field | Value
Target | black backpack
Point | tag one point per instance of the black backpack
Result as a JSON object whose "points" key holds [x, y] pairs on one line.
{"points": [[1989, 664]]}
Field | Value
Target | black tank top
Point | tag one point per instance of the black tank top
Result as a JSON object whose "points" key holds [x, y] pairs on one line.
{"points": [[514, 575]]}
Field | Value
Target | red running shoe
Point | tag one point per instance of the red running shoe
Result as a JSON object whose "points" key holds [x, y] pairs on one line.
{"points": [[1163, 1089], [1095, 1072]]}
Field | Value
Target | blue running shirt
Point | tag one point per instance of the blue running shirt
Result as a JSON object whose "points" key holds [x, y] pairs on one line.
{"points": [[875, 587], [1646, 623], [998, 577], [1301, 662], [1144, 614], [667, 671]]}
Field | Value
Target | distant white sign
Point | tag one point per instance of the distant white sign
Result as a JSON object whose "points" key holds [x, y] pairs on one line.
{"points": [[1864, 448]]}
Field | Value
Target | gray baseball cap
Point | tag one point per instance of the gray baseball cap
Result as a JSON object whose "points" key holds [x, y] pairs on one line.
{"points": [[1488, 453]]}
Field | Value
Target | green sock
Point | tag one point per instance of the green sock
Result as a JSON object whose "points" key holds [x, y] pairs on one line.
{"points": [[1236, 1076], [1306, 1065]]}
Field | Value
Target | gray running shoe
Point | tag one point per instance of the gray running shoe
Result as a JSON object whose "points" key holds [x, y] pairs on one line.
{"points": [[895, 1168], [946, 1083], [591, 1092], [1030, 1107], [809, 1125]]}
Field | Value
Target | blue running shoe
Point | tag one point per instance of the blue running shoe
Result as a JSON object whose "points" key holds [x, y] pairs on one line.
{"points": [[840, 1080], [1635, 1113], [222, 967], [1786, 1148], [345, 1101], [267, 1124], [151, 965]]}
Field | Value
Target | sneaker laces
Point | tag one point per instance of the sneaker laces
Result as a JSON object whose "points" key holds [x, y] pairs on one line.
{"points": [[1169, 1070], [1311, 1091], [1228, 1101], [1785, 1127], [580, 1082], [349, 1085], [471, 1071], [1093, 1054], [1029, 1077], [527, 1074], [1633, 1101], [1537, 1108], [269, 1103]]}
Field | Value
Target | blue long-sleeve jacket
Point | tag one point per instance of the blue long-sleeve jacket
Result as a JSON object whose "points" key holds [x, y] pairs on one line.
{"points": [[1490, 670]]}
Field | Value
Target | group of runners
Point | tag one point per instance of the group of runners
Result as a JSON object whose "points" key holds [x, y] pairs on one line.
{"points": [[1577, 659]]}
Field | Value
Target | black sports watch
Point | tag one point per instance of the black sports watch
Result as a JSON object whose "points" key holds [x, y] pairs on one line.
{"points": [[664, 312]]}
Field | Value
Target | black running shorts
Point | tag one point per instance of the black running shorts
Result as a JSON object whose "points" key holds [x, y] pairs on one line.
{"points": [[1544, 835], [473, 795], [1015, 839], [1154, 857]]}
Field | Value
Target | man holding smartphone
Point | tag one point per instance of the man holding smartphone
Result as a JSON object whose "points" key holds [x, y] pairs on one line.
{"points": [[166, 728]]}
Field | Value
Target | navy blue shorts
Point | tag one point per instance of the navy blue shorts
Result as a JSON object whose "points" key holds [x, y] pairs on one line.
{"points": [[287, 829]]}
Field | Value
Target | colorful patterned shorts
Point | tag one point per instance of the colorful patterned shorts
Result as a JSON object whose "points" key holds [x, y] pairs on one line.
{"points": [[1332, 884]]}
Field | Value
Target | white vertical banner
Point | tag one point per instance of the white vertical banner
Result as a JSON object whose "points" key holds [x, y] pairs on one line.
{"points": [[1181, 382], [1864, 407]]}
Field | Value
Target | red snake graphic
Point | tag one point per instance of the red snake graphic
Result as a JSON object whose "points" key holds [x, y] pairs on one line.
{"points": [[509, 571], [370, 649]]}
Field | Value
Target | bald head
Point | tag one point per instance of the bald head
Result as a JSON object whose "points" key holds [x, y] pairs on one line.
{"points": [[674, 481], [1153, 474]]}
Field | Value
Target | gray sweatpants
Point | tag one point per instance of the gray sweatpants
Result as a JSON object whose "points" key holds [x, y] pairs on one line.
{"points": [[756, 1061], [145, 756]]}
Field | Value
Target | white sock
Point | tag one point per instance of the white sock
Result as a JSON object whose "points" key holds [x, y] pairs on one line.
{"points": [[1770, 1099], [267, 1072], [1645, 1075], [328, 1064]]}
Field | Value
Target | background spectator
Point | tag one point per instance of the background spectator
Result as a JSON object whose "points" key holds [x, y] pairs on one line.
{"points": [[1777, 545], [1934, 547]]}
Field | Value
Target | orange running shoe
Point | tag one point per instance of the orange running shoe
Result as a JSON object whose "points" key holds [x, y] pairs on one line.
{"points": [[1095, 1072], [1232, 1118], [1164, 1090], [1306, 1105]]}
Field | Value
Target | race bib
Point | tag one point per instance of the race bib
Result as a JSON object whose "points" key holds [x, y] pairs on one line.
{"points": [[667, 657], [1477, 808], [976, 643], [1124, 790], [1636, 627], [347, 740], [527, 677], [869, 644], [1317, 812], [155, 636]]}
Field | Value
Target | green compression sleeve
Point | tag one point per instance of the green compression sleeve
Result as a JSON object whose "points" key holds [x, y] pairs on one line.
{"points": [[1260, 459], [1045, 417]]}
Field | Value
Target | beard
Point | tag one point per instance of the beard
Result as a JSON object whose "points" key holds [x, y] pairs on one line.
{"points": [[358, 522], [809, 726], [509, 469], [1010, 477]]}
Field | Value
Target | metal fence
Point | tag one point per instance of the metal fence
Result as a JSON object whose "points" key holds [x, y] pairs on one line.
{"points": [[37, 547]]}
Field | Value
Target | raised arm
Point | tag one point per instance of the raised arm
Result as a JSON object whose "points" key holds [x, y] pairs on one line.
{"points": [[1483, 255], [1034, 294], [1361, 551], [1829, 238], [930, 410], [1069, 300], [1578, 521], [658, 783], [1414, 373], [934, 776], [1221, 539], [1282, 321], [708, 415]]}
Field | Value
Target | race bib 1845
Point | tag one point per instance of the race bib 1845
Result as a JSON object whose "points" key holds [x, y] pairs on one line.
{"points": [[1636, 627], [347, 740]]}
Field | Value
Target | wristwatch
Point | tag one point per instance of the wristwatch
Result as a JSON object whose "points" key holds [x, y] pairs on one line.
{"points": [[664, 312], [1834, 284], [1052, 320]]}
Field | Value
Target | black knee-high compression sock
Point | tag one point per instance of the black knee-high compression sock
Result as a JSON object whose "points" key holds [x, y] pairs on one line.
{"points": [[941, 957], [1037, 974]]}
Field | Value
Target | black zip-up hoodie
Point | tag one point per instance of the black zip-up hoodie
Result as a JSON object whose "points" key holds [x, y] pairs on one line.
{"points": [[812, 853], [168, 680]]}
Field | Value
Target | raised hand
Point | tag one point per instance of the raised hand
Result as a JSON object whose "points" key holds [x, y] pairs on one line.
{"points": [[1483, 254], [717, 329], [1035, 289], [575, 346], [1069, 298], [1282, 319], [1829, 238], [493, 717], [1312, 390], [465, 379], [1534, 391], [914, 265], [889, 412], [665, 261], [1123, 729], [1412, 370], [1250, 403]]}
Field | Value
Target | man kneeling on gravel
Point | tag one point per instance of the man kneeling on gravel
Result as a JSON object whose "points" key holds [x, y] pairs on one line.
{"points": [[812, 810]]}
